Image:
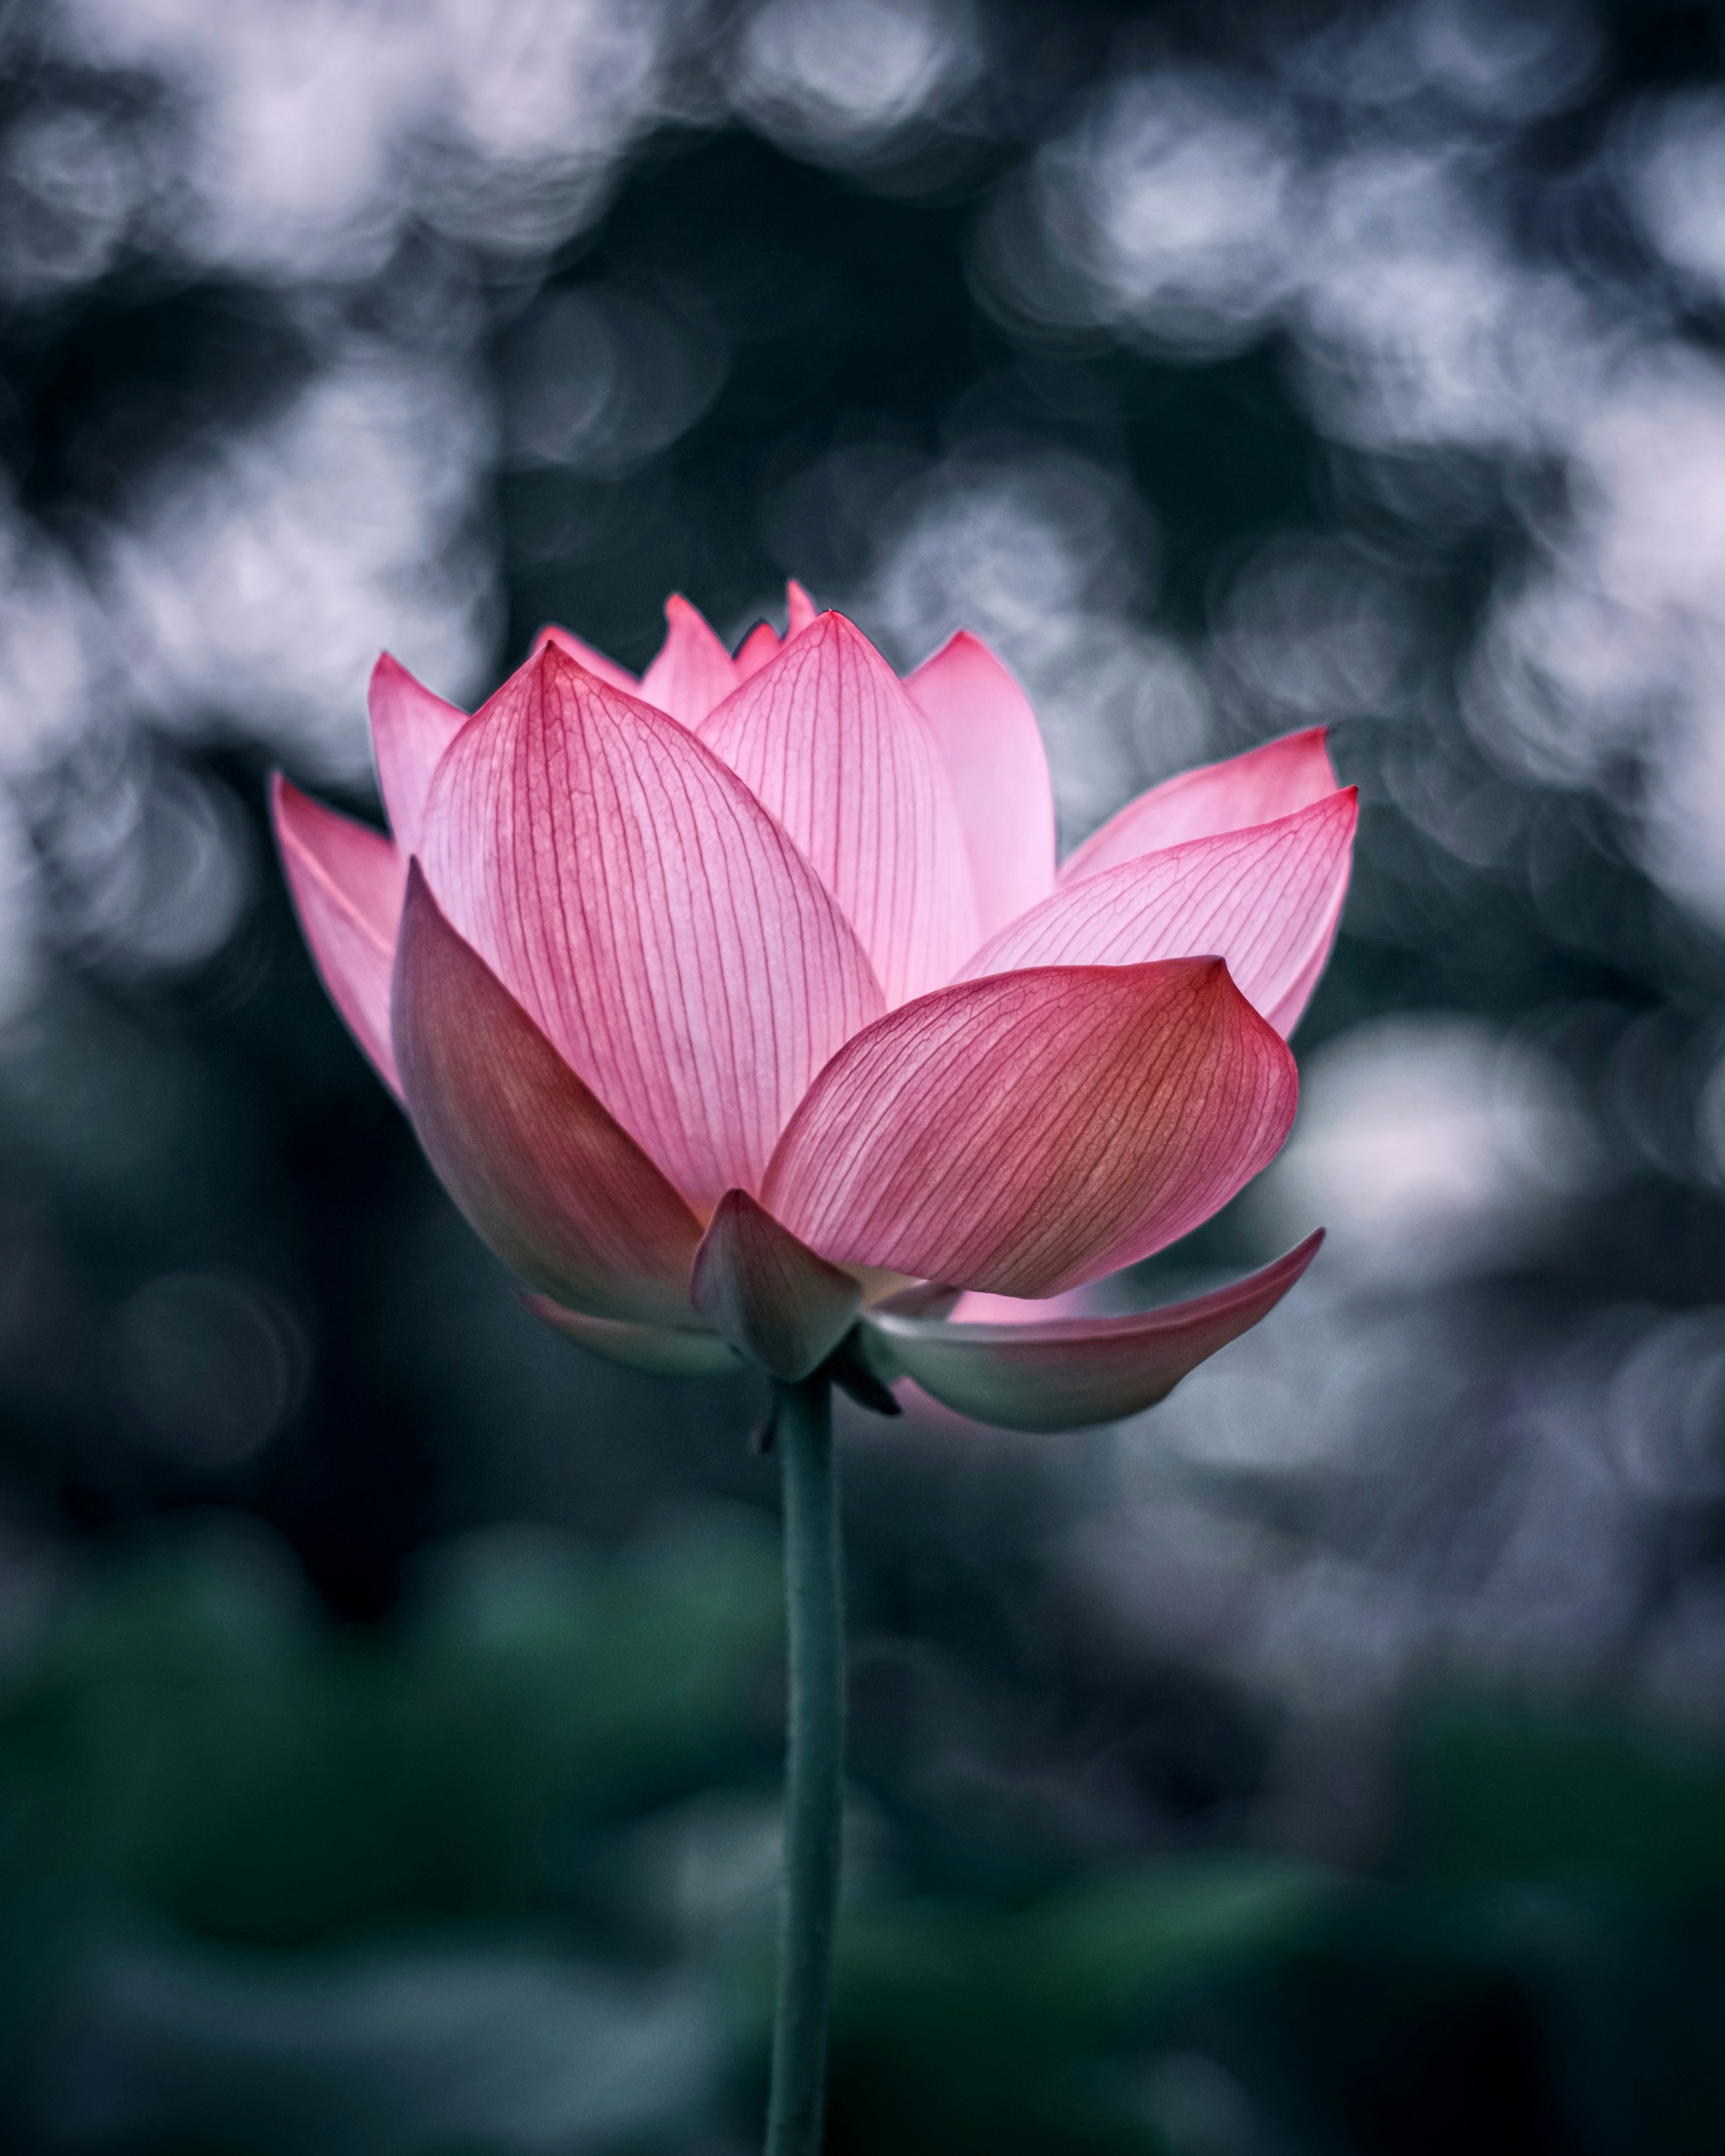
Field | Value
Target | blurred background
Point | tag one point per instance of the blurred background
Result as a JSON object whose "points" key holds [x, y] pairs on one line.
{"points": [[1333, 1760]]}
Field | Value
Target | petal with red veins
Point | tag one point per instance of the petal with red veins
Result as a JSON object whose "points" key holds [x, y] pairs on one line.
{"points": [[663, 1351], [827, 739], [410, 730], [757, 648], [550, 1181], [989, 742], [799, 610], [693, 671], [649, 914], [1063, 1373], [1257, 787], [346, 881], [1027, 1132], [585, 654], [1267, 900], [768, 1294]]}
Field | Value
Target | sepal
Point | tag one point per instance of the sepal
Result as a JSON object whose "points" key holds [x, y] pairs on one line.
{"points": [[663, 1351], [767, 1293]]}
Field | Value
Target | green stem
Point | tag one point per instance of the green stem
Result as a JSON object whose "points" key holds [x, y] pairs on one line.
{"points": [[815, 1769]]}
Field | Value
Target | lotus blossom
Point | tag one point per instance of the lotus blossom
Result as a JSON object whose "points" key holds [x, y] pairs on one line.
{"points": [[745, 1013]]}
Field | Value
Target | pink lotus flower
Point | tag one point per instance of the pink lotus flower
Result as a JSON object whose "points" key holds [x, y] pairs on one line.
{"points": [[745, 1014]]}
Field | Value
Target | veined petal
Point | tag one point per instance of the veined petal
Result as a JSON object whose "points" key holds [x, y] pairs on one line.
{"points": [[757, 648], [826, 736], [767, 1293], [693, 671], [346, 881], [663, 1351], [799, 610], [1257, 787], [1063, 1373], [649, 914], [410, 730], [584, 654], [1027, 1132], [1267, 900], [550, 1180], [989, 742]]}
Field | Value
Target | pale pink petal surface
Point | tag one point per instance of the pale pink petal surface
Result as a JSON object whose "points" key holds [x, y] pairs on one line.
{"points": [[1257, 787], [410, 730], [662, 1351], [800, 609], [827, 739], [1062, 1373], [649, 916], [988, 741], [767, 1293], [757, 648], [1027, 1132], [346, 881], [550, 1180], [693, 671], [1265, 899], [586, 654]]}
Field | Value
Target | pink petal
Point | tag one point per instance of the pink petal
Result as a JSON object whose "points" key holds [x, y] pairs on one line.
{"points": [[827, 739], [768, 1294], [800, 609], [693, 671], [584, 654], [989, 742], [649, 914], [1257, 787], [410, 730], [1062, 1373], [346, 882], [1267, 900], [757, 648], [549, 1181], [663, 1351], [1027, 1132]]}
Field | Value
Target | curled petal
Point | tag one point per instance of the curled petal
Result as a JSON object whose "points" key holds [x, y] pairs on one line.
{"points": [[346, 882], [693, 671], [663, 1351], [1257, 787], [768, 1294], [649, 916], [988, 741], [1267, 900], [586, 656], [1063, 1373], [410, 730], [1027, 1132], [757, 648], [827, 739], [800, 609], [555, 1187]]}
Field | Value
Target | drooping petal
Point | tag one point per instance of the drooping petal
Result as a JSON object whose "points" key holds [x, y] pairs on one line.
{"points": [[346, 881], [827, 739], [1063, 1373], [757, 648], [1267, 900], [661, 1350], [649, 914], [585, 654], [988, 741], [1027, 1132], [410, 730], [550, 1180], [1257, 787], [693, 671], [767, 1293], [800, 609]]}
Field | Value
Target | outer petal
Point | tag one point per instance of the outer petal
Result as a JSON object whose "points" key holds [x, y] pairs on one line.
{"points": [[757, 648], [767, 1294], [1025, 1134], [1267, 900], [584, 654], [1256, 787], [346, 882], [1066, 1372], [800, 609], [693, 671], [663, 1351], [550, 1181], [410, 730], [827, 739], [993, 752], [649, 914]]}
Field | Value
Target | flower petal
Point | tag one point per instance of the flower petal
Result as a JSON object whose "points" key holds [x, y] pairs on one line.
{"points": [[1267, 900], [693, 671], [1029, 1132], [663, 1351], [410, 730], [584, 654], [649, 914], [1257, 787], [1065, 1373], [799, 608], [757, 648], [555, 1186], [827, 739], [988, 741], [768, 1294], [346, 882]]}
